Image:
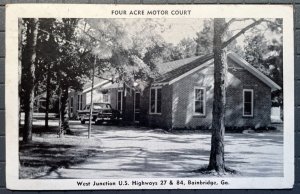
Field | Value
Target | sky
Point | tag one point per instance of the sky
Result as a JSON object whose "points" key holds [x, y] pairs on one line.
{"points": [[173, 30], [181, 28], [177, 29]]}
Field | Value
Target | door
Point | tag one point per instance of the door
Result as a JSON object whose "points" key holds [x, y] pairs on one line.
{"points": [[137, 104]]}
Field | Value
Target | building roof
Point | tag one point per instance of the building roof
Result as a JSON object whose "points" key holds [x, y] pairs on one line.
{"points": [[97, 83], [179, 67], [176, 70], [173, 71], [171, 65], [88, 84], [110, 85]]}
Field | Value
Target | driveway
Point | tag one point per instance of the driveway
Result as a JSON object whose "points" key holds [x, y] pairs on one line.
{"points": [[124, 152]]}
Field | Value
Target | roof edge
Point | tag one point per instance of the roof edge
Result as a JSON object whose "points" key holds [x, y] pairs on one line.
{"points": [[95, 86], [239, 60], [202, 66]]}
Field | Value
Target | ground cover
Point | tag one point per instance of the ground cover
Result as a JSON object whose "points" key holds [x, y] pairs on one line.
{"points": [[126, 151]]}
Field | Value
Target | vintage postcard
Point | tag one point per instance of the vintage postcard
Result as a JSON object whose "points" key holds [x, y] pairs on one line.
{"points": [[149, 97]]}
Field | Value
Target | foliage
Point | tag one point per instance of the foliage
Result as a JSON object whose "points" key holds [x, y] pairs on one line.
{"points": [[264, 50], [204, 39], [28, 75], [73, 62], [123, 55], [185, 48], [57, 54], [255, 49], [47, 53]]}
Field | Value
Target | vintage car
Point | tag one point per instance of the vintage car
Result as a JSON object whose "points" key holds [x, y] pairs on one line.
{"points": [[101, 112]]}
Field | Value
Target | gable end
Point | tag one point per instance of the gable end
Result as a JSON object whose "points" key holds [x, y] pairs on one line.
{"points": [[233, 56]]}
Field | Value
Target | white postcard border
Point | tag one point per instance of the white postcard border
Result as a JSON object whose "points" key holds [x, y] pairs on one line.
{"points": [[15, 11]]}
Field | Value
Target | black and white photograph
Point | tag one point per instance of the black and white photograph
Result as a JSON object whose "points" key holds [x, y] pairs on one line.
{"points": [[149, 97]]}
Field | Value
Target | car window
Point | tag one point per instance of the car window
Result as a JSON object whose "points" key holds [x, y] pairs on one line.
{"points": [[97, 107], [101, 106]]}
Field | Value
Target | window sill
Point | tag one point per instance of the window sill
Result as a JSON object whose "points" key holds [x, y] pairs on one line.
{"points": [[154, 113], [248, 116], [199, 115]]}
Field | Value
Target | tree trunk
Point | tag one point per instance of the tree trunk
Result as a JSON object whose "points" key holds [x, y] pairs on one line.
{"points": [[60, 131], [216, 161], [124, 115], [91, 100], [64, 110], [30, 80], [47, 97]]}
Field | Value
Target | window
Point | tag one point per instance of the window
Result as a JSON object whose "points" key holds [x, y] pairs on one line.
{"points": [[155, 100], [152, 101], [105, 98], [248, 102], [137, 106], [79, 102], [120, 100], [71, 105], [137, 100], [158, 100], [199, 101]]}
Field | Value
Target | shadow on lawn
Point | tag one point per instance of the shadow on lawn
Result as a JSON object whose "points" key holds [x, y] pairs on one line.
{"points": [[44, 158], [40, 129]]}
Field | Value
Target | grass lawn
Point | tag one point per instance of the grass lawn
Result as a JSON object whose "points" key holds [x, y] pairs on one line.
{"points": [[49, 153]]}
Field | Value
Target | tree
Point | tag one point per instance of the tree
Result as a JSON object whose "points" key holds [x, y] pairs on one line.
{"points": [[103, 38], [29, 61], [184, 49], [255, 50], [123, 55], [73, 62], [266, 54], [204, 39], [47, 54], [128, 54], [216, 160]]}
